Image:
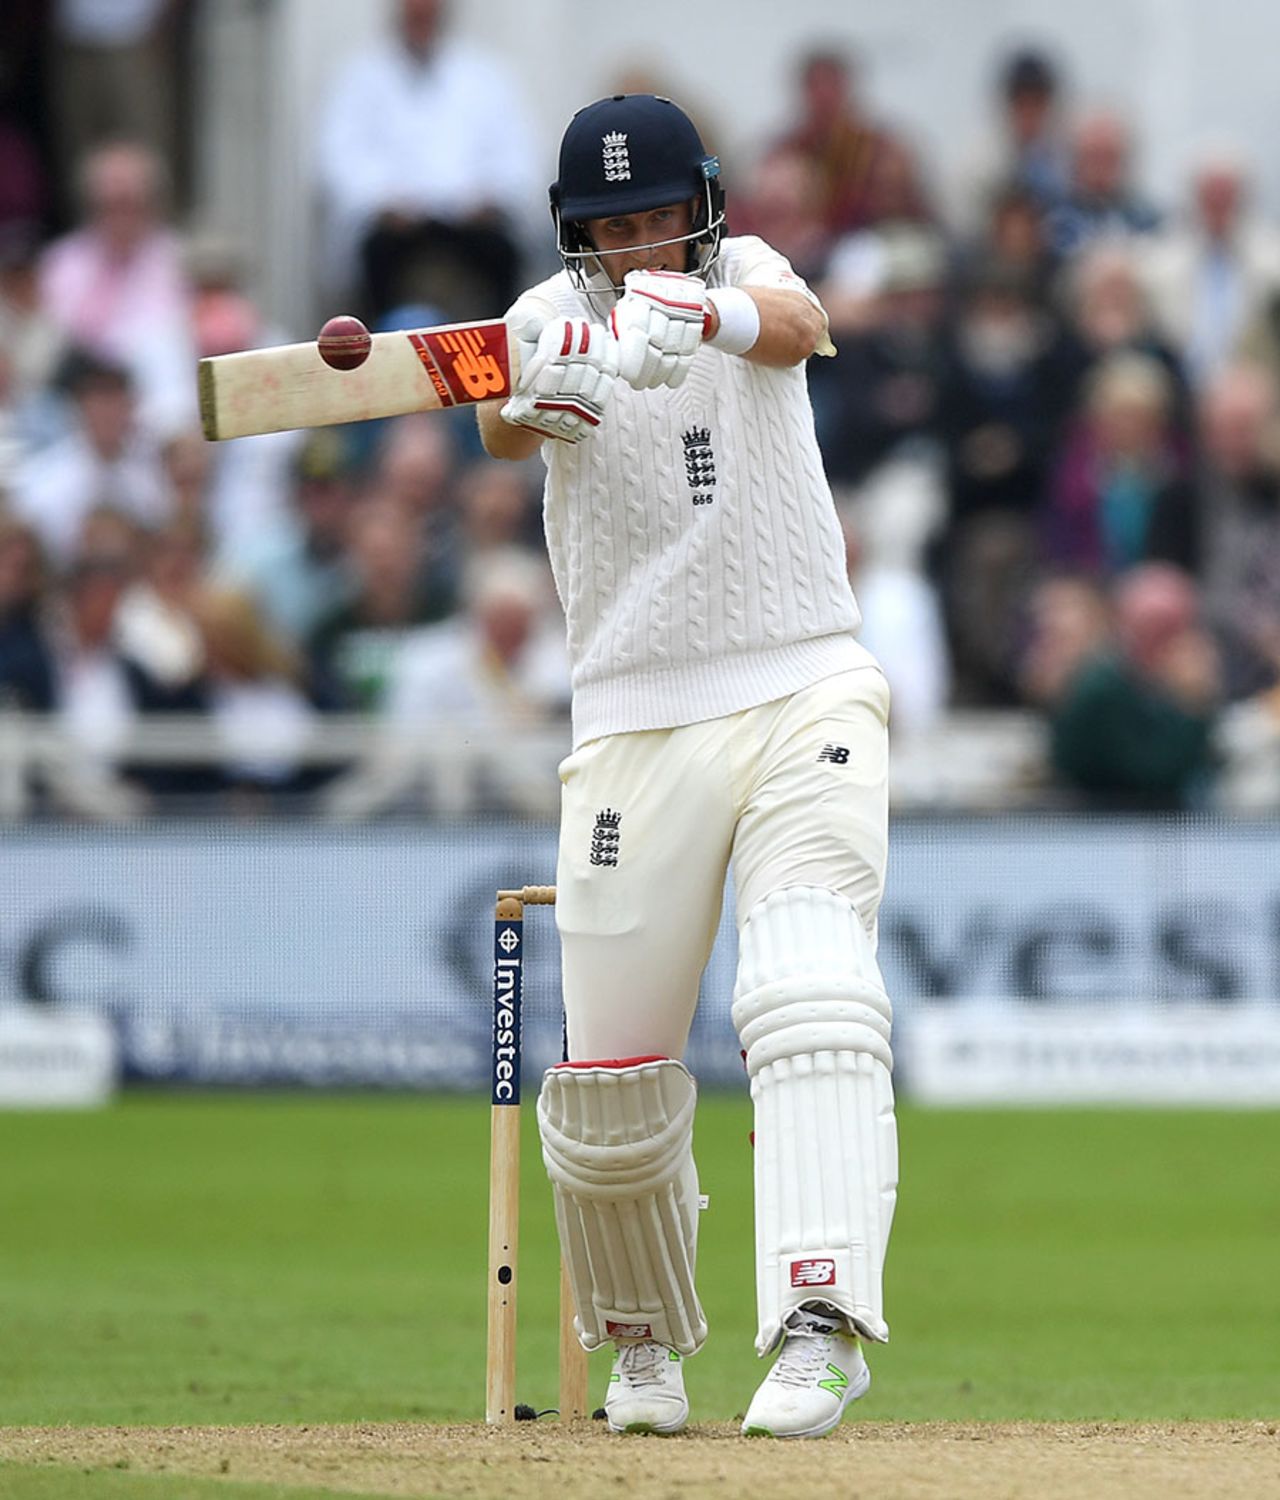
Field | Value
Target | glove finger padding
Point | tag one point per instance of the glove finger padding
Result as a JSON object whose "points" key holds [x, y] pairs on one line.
{"points": [[566, 381], [659, 323]]}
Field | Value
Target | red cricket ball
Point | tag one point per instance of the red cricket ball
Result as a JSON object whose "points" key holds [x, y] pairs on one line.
{"points": [[344, 343]]}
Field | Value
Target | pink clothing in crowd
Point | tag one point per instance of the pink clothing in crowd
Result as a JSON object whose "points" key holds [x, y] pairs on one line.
{"points": [[107, 304]]}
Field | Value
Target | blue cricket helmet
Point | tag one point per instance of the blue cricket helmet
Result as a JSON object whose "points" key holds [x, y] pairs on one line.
{"points": [[627, 154]]}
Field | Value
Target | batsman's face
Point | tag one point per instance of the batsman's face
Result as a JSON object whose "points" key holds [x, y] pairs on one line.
{"points": [[649, 241]]}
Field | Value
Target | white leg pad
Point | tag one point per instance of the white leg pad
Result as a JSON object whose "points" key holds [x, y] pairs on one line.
{"points": [[812, 1013], [617, 1141]]}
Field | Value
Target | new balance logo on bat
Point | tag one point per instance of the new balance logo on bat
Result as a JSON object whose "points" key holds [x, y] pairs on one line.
{"points": [[837, 755], [606, 837], [813, 1273]]}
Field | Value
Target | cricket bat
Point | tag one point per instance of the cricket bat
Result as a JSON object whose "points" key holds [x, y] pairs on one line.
{"points": [[290, 386]]}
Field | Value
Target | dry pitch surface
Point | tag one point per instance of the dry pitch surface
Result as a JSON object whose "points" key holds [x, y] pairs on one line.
{"points": [[929, 1461]]}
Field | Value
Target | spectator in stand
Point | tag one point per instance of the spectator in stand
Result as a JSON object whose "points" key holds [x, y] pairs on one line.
{"points": [[295, 567], [1239, 516], [413, 472], [155, 627], [224, 316], [354, 648], [94, 695], [26, 661], [114, 71], [117, 288], [1026, 152], [1002, 402], [425, 160], [1209, 279], [999, 413], [246, 491], [256, 702], [498, 510], [1117, 495], [496, 668], [188, 462], [1101, 201], [126, 642], [1109, 313], [106, 459], [783, 205], [1068, 623], [495, 671], [1013, 236], [896, 190], [12, 445], [883, 388], [1133, 725], [843, 143], [30, 341], [855, 269], [901, 622], [109, 533]]}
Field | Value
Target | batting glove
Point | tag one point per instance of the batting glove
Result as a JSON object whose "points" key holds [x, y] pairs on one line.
{"points": [[658, 323], [565, 382]]}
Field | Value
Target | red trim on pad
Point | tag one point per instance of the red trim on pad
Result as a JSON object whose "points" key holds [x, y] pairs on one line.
{"points": [[614, 1062]]}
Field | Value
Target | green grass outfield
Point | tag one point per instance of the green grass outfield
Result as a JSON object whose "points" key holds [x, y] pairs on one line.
{"points": [[234, 1259]]}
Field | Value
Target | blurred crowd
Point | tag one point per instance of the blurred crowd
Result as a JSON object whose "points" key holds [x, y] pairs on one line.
{"points": [[1052, 425]]}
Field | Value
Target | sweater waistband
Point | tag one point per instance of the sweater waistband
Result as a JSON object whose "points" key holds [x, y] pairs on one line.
{"points": [[695, 691]]}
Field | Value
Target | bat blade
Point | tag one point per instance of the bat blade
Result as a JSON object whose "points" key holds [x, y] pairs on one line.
{"points": [[290, 386]]}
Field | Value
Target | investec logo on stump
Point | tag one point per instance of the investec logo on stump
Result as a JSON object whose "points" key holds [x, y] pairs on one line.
{"points": [[507, 961]]}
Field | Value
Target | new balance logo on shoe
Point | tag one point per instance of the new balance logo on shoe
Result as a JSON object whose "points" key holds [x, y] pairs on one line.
{"points": [[837, 755], [838, 1382]]}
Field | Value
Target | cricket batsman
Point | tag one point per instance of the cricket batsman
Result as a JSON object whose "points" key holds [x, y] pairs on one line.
{"points": [[724, 717]]}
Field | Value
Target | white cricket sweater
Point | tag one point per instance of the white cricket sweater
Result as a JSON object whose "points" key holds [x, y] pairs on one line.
{"points": [[693, 537]]}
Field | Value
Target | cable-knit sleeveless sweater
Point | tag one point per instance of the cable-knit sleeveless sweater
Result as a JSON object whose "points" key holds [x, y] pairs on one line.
{"points": [[693, 537]]}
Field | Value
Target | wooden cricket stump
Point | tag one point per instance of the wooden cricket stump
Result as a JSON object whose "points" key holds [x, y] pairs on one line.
{"points": [[504, 1180]]}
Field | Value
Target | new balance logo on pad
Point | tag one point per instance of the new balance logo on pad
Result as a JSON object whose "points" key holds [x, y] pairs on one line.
{"points": [[813, 1273], [838, 755], [628, 1330]]}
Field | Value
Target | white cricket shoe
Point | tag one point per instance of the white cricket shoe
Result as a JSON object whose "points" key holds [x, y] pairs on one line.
{"points": [[819, 1370], [646, 1389]]}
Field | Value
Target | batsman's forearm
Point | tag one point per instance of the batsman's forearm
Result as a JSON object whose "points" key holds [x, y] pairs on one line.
{"points": [[791, 328], [501, 439]]}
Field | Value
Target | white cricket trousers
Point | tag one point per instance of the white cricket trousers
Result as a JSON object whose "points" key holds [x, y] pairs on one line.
{"points": [[793, 792]]}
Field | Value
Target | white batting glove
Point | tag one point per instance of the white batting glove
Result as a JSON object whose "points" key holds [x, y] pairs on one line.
{"points": [[658, 322], [565, 382]]}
